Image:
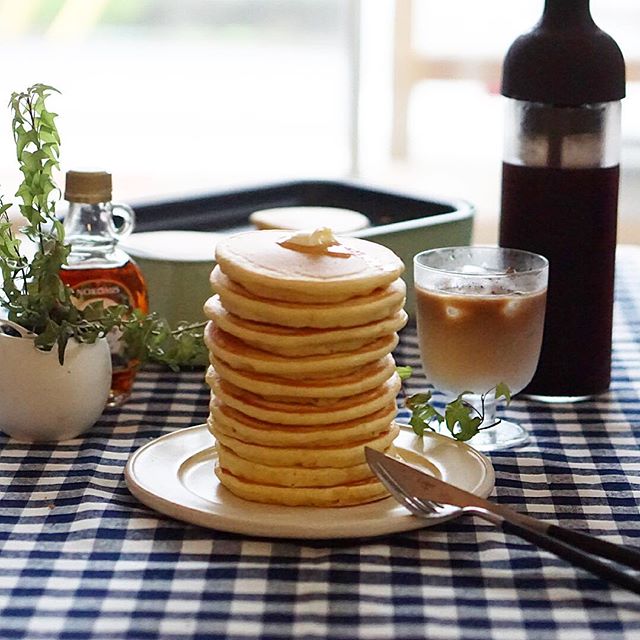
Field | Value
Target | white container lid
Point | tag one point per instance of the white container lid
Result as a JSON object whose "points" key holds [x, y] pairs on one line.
{"points": [[298, 218], [173, 246]]}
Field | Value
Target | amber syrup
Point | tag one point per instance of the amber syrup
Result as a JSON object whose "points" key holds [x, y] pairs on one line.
{"points": [[114, 285]]}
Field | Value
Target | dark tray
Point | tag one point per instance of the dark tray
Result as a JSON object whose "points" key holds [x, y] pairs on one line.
{"points": [[406, 224], [230, 209]]}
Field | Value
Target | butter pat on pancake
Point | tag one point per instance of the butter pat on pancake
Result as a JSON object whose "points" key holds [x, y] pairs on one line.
{"points": [[264, 261]]}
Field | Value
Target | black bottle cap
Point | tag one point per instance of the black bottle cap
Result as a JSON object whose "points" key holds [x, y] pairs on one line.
{"points": [[566, 60]]}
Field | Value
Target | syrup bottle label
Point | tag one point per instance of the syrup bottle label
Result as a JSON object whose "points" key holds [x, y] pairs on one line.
{"points": [[111, 293]]}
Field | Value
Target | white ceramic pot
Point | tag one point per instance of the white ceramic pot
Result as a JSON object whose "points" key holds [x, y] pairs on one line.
{"points": [[42, 401]]}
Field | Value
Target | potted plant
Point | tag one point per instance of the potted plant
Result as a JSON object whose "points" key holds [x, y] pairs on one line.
{"points": [[54, 358]]}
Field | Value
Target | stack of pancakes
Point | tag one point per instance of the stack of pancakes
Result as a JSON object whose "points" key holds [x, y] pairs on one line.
{"points": [[302, 377]]}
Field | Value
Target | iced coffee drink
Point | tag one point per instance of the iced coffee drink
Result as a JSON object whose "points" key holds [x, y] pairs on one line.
{"points": [[480, 317], [477, 336]]}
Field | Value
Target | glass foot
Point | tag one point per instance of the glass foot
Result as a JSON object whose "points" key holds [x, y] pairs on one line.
{"points": [[505, 435], [555, 399]]}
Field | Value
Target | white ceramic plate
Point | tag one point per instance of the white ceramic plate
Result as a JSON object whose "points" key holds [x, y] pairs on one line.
{"points": [[174, 475]]}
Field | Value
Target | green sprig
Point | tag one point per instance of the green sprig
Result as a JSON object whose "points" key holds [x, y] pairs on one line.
{"points": [[34, 295], [461, 418], [148, 337]]}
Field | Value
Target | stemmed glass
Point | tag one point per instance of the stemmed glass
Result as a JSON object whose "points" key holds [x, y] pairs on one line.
{"points": [[480, 316]]}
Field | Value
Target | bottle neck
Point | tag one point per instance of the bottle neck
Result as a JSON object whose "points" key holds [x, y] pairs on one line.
{"points": [[90, 231], [566, 14]]}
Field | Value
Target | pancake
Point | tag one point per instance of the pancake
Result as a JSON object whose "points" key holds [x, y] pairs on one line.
{"points": [[336, 456], [338, 220], [235, 424], [274, 265], [301, 341], [356, 310], [225, 347], [351, 382], [292, 476], [297, 413], [300, 338], [345, 495]]}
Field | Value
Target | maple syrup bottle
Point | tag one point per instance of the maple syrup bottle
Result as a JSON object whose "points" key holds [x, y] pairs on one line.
{"points": [[564, 81], [97, 268]]}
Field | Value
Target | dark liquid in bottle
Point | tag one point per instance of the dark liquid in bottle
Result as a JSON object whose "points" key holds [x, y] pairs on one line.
{"points": [[568, 216]]}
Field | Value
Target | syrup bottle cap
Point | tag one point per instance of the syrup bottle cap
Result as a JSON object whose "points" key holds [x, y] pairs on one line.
{"points": [[89, 187], [566, 60]]}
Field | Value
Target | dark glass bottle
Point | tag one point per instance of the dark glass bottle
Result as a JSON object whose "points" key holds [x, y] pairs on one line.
{"points": [[564, 81], [97, 268]]}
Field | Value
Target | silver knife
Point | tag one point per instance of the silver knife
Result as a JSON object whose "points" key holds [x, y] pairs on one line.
{"points": [[424, 495]]}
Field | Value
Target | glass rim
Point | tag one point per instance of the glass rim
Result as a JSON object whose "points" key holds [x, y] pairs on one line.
{"points": [[543, 266]]}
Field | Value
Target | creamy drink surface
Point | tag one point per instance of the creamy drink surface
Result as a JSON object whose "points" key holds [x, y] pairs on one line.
{"points": [[471, 339]]}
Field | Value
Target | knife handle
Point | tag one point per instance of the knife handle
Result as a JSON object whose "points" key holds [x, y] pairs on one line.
{"points": [[573, 555], [628, 556], [619, 553]]}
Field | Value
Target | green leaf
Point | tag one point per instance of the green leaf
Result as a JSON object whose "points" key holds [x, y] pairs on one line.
{"points": [[48, 118], [462, 419], [418, 425], [404, 372], [417, 400], [423, 414], [48, 336], [503, 391]]}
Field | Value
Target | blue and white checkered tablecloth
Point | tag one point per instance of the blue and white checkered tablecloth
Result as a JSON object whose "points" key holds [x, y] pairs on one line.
{"points": [[81, 558]]}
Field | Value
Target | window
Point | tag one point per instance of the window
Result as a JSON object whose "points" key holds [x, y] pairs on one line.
{"points": [[178, 98], [182, 97], [450, 55]]}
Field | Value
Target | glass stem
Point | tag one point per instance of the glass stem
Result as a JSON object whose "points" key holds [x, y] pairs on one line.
{"points": [[486, 405]]}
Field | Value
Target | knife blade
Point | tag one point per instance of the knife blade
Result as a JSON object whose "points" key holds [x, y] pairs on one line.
{"points": [[423, 485]]}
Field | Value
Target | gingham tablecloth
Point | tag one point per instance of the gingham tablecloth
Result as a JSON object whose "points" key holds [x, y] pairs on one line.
{"points": [[81, 558]]}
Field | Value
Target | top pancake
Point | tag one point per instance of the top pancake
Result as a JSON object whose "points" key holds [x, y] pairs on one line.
{"points": [[267, 265]]}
